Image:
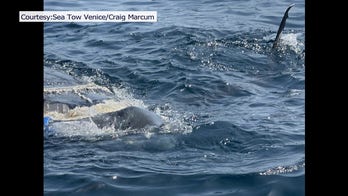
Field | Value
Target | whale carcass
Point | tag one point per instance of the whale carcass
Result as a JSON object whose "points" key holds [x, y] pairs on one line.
{"points": [[67, 99]]}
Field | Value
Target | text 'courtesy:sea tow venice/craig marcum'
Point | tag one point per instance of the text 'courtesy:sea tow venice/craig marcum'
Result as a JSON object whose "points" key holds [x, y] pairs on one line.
{"points": [[67, 16]]}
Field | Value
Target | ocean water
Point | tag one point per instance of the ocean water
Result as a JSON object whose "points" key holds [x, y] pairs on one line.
{"points": [[233, 108]]}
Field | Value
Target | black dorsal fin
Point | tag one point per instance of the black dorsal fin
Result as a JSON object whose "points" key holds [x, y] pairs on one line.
{"points": [[281, 26]]}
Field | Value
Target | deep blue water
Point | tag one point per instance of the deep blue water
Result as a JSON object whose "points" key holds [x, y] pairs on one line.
{"points": [[233, 108]]}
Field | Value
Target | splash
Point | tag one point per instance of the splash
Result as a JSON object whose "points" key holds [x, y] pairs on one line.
{"points": [[174, 121], [292, 41]]}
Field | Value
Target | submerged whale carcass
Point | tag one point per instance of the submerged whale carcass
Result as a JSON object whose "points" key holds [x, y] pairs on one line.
{"points": [[69, 99]]}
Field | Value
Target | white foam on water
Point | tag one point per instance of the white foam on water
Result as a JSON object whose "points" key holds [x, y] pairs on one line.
{"points": [[282, 169], [174, 121], [291, 40], [74, 128]]}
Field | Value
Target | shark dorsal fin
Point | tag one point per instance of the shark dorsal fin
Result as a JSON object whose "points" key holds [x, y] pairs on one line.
{"points": [[281, 26]]}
